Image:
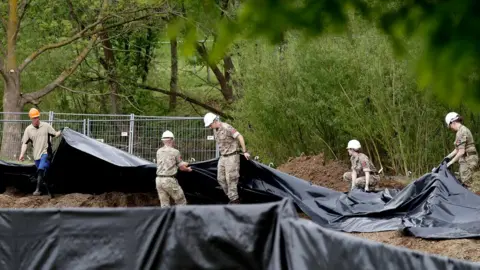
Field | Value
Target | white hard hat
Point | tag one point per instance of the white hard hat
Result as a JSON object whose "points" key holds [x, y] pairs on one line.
{"points": [[167, 135], [354, 144], [209, 118], [451, 116]]}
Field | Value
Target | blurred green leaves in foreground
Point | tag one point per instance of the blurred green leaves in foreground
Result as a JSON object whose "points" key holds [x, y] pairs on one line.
{"points": [[449, 31]]}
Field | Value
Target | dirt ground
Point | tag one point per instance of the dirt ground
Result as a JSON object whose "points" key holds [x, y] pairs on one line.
{"points": [[329, 174], [464, 249], [13, 199]]}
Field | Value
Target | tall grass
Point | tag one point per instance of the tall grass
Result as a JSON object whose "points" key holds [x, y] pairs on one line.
{"points": [[314, 96]]}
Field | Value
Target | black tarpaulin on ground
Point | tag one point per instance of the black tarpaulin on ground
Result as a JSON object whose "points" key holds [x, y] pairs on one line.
{"points": [[261, 236], [15, 173], [434, 206]]}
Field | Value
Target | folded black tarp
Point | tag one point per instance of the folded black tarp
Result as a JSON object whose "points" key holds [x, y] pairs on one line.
{"points": [[260, 236], [16, 173], [434, 206]]}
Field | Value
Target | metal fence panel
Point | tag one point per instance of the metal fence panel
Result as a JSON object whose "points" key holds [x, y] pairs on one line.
{"points": [[16, 138], [192, 138], [138, 135]]}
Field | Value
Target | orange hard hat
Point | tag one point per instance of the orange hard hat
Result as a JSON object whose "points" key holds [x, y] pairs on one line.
{"points": [[33, 113]]}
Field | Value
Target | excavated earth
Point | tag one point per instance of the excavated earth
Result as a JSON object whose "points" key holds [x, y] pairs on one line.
{"points": [[311, 168], [329, 174], [14, 199]]}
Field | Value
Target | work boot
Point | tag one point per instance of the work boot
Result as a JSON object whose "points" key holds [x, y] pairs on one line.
{"points": [[236, 201], [37, 190], [39, 181]]}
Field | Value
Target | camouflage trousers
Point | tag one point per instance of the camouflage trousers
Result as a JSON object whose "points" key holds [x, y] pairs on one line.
{"points": [[169, 189], [228, 173], [467, 167], [361, 181]]}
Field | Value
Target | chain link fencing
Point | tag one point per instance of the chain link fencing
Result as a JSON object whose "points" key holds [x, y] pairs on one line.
{"points": [[137, 135]]}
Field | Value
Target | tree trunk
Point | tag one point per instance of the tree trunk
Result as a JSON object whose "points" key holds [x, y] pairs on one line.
{"points": [[148, 54], [229, 69], [110, 65], [12, 126], [226, 88], [174, 73]]}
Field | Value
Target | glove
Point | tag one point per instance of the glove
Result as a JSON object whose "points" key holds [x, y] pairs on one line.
{"points": [[446, 159]]}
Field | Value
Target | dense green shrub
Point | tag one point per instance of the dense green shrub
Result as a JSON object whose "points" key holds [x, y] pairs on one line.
{"points": [[314, 96]]}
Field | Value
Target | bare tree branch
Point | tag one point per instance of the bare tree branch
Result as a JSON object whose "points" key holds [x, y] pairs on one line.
{"points": [[183, 96], [154, 89], [82, 92], [99, 94], [211, 84], [226, 89], [23, 8], [74, 16], [83, 33], [86, 80], [128, 21], [32, 97], [45, 48]]}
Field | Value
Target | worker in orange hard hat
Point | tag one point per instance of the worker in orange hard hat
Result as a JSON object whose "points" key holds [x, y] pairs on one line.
{"points": [[34, 113], [38, 133]]}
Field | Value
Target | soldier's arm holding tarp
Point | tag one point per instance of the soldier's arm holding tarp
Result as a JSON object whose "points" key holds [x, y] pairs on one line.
{"points": [[182, 165], [460, 141]]}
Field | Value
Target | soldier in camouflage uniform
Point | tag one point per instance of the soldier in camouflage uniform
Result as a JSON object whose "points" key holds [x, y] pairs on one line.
{"points": [[228, 171], [465, 152], [169, 161], [364, 174]]}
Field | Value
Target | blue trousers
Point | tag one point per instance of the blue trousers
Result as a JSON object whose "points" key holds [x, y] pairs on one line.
{"points": [[42, 163]]}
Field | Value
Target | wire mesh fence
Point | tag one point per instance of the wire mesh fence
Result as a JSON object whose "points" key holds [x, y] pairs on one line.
{"points": [[137, 135]]}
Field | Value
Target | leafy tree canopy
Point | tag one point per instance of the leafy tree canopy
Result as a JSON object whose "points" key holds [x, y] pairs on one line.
{"points": [[449, 30]]}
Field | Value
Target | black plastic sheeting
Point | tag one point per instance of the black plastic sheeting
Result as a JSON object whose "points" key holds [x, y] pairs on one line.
{"points": [[434, 206], [261, 236]]}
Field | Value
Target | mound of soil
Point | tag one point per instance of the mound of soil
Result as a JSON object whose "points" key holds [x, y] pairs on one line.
{"points": [[319, 172], [12, 199], [327, 174]]}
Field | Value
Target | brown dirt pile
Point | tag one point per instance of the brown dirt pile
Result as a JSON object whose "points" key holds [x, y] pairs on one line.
{"points": [[13, 199], [317, 171], [327, 174]]}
